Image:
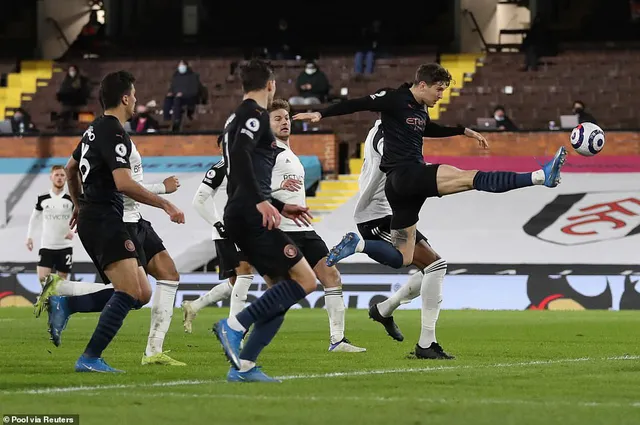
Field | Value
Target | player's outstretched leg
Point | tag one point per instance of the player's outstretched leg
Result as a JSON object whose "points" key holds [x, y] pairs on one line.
{"points": [[55, 285], [383, 312], [451, 180], [378, 250], [60, 308], [161, 267]]}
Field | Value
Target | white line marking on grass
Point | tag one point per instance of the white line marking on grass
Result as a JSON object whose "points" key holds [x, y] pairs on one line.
{"points": [[90, 388], [312, 398]]}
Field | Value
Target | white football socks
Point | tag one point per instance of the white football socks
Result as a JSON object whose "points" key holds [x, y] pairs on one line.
{"points": [[239, 294], [246, 365], [537, 177], [161, 314], [431, 292], [220, 292], [73, 288], [334, 304], [407, 292]]}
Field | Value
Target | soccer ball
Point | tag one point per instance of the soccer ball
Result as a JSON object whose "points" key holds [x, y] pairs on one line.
{"points": [[587, 139]]}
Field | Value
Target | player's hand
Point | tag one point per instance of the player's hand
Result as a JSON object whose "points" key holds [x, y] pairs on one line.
{"points": [[171, 184], [73, 222], [30, 244], [270, 215], [292, 185], [479, 137], [308, 116], [300, 215], [174, 213], [69, 236]]}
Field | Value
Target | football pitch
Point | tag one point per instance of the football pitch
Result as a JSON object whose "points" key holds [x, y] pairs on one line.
{"points": [[520, 367]]}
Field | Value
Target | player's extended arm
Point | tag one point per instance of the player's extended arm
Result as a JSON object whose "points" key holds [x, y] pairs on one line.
{"points": [[73, 180], [210, 215], [125, 184], [374, 103], [437, 131], [157, 188]]}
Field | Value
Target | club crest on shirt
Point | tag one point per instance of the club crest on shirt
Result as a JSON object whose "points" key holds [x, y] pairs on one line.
{"points": [[290, 251]]}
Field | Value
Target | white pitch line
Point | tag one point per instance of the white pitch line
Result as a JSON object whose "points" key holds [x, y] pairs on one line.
{"points": [[93, 388], [440, 400]]}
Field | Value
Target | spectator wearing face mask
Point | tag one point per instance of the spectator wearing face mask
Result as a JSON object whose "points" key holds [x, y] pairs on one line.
{"points": [[73, 94], [583, 116], [142, 121], [503, 122], [313, 86], [21, 123], [184, 91]]}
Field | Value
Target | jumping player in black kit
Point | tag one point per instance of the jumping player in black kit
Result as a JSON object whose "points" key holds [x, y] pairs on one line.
{"points": [[101, 164], [251, 218], [409, 180]]}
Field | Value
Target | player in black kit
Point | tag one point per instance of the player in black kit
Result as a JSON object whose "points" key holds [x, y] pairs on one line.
{"points": [[251, 218], [101, 164], [410, 181], [405, 122]]}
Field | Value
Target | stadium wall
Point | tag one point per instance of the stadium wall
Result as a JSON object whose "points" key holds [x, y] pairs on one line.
{"points": [[574, 247], [324, 146]]}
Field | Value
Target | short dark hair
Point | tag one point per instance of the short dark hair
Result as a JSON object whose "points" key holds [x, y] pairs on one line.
{"points": [[433, 73], [113, 86], [279, 104], [255, 74], [580, 102]]}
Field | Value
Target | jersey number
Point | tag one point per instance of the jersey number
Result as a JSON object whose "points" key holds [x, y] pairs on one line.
{"points": [[85, 167], [68, 259]]}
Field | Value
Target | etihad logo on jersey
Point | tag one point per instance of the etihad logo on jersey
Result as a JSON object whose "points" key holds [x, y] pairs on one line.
{"points": [[581, 218], [417, 123]]}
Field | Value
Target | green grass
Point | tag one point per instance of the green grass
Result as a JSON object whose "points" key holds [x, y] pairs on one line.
{"points": [[532, 367]]}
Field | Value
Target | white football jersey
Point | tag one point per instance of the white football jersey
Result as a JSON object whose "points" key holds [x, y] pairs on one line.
{"points": [[288, 166], [372, 202], [55, 212]]}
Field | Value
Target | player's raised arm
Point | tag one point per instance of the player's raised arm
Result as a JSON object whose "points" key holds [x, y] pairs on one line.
{"points": [[376, 102], [438, 131]]}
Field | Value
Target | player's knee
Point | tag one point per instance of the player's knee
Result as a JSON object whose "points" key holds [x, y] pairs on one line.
{"points": [[305, 277], [329, 277], [244, 268]]}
